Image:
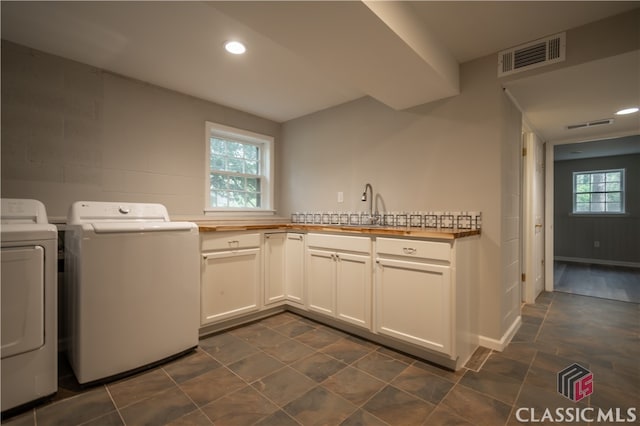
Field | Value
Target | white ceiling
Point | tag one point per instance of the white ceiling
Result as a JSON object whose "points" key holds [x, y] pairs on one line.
{"points": [[599, 148], [307, 56]]}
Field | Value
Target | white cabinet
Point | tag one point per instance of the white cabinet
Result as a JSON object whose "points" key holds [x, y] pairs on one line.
{"points": [[419, 294], [413, 302], [353, 288], [231, 276], [283, 268], [420, 300], [275, 260], [338, 277], [294, 268], [321, 281]]}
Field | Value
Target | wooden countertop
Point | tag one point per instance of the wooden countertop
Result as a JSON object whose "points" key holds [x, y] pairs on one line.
{"points": [[441, 234]]}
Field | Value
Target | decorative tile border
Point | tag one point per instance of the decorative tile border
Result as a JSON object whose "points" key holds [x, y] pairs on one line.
{"points": [[427, 220]]}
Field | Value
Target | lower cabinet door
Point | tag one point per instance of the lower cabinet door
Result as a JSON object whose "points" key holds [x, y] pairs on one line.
{"points": [[353, 289], [274, 267], [321, 279], [294, 268], [413, 303], [230, 284]]}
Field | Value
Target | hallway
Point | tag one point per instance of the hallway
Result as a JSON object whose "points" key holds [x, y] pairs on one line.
{"points": [[602, 281]]}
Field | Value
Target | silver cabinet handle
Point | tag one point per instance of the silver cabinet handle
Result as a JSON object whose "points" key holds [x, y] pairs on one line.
{"points": [[409, 250], [234, 244]]}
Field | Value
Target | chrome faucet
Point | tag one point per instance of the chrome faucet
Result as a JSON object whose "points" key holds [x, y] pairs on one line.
{"points": [[364, 198]]}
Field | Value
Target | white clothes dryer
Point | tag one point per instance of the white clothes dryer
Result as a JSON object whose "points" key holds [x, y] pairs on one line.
{"points": [[29, 303]]}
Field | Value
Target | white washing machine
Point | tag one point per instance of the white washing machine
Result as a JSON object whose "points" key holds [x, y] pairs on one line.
{"points": [[132, 283], [29, 303]]}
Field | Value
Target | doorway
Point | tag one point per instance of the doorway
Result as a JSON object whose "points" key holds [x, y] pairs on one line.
{"points": [[592, 237]]}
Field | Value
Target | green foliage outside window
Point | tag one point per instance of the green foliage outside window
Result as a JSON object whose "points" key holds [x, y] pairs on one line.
{"points": [[235, 179], [598, 191]]}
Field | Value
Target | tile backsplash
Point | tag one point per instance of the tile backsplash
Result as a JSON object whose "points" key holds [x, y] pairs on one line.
{"points": [[427, 220]]}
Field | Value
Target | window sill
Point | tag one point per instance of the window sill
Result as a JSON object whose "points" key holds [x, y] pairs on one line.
{"points": [[625, 214]]}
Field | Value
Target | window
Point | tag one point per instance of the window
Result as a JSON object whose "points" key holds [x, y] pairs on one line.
{"points": [[239, 170], [599, 192]]}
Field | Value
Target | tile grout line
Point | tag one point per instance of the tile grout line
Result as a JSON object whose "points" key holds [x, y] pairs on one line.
{"points": [[515, 401], [347, 365], [198, 408], [533, 358], [115, 405], [548, 309]]}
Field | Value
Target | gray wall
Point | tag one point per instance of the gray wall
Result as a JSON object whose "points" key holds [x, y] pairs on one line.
{"points": [[73, 132], [619, 236], [460, 153]]}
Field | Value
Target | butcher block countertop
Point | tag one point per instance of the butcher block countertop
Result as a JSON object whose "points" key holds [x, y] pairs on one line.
{"points": [[440, 234]]}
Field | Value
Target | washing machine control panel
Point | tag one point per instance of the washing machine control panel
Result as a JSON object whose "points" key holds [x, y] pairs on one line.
{"points": [[82, 212]]}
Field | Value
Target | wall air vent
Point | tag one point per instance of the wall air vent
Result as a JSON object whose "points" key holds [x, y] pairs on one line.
{"points": [[590, 124], [538, 53]]}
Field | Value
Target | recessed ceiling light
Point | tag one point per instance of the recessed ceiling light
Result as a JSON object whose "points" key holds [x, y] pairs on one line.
{"points": [[627, 111], [235, 47]]}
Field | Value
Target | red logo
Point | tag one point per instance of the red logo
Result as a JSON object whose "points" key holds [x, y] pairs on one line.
{"points": [[575, 382]]}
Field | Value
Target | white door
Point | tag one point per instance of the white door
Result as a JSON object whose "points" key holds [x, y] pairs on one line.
{"points": [[353, 289], [414, 303], [321, 281], [230, 284], [274, 267], [534, 217], [294, 268]]}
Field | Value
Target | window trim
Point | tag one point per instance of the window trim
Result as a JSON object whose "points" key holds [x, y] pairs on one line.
{"points": [[266, 167], [623, 191]]}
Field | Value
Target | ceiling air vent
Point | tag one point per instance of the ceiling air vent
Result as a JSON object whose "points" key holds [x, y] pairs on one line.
{"points": [[590, 124], [531, 55]]}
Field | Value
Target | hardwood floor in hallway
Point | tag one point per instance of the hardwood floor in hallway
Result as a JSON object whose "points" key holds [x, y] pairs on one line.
{"points": [[602, 281]]}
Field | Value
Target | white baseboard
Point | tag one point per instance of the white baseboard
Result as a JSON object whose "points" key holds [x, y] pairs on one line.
{"points": [[598, 261], [499, 345]]}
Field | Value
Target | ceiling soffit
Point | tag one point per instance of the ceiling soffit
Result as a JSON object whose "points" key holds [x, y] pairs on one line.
{"points": [[389, 56]]}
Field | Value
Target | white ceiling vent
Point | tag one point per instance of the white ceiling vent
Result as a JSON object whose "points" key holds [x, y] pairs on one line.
{"points": [[538, 53], [590, 124]]}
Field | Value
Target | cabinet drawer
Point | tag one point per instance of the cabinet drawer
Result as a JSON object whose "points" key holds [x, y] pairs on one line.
{"points": [[229, 241], [414, 249], [340, 242]]}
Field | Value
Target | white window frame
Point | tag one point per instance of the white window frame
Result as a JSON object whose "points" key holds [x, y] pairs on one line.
{"points": [[266, 167], [603, 213]]}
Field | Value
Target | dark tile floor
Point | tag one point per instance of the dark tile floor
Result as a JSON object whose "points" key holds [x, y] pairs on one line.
{"points": [[286, 370], [604, 281]]}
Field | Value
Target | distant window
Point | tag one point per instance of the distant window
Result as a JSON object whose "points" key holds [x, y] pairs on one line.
{"points": [[599, 192], [238, 169]]}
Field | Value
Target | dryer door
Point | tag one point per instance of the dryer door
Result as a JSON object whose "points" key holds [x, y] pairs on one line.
{"points": [[22, 299]]}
